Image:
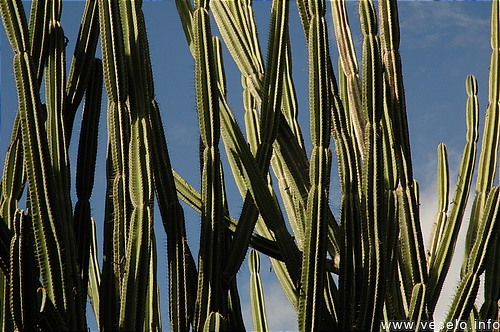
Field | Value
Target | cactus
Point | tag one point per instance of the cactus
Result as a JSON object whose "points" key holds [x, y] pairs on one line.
{"points": [[345, 272]]}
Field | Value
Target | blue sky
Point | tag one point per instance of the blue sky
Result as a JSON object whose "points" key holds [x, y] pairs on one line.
{"points": [[441, 43]]}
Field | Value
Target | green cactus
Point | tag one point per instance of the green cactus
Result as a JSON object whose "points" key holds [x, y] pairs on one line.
{"points": [[347, 272]]}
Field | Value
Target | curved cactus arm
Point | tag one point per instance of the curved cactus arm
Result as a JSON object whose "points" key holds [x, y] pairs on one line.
{"points": [[447, 235], [83, 59], [256, 293], [193, 198], [270, 115], [463, 300], [289, 161], [235, 21], [289, 187], [245, 165]]}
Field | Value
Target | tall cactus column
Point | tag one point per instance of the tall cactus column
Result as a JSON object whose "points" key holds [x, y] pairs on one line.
{"points": [[313, 263], [209, 301]]}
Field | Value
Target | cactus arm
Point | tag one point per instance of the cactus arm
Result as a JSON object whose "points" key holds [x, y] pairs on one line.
{"points": [[22, 282], [239, 35], [182, 269], [39, 31], [13, 176], [245, 165], [350, 69], [237, 140], [417, 304], [257, 293], [304, 14], [55, 80], [34, 145], [139, 292], [390, 39], [463, 301], [83, 59], [49, 241], [313, 263], [185, 10], [289, 162], [117, 207], [349, 170], [487, 171], [490, 307], [372, 174], [447, 235], [411, 246], [268, 130], [15, 24], [85, 171], [490, 140], [211, 239], [215, 322], [94, 273], [442, 192], [152, 311]]}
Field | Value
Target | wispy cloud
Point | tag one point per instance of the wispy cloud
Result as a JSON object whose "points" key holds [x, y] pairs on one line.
{"points": [[428, 24]]}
